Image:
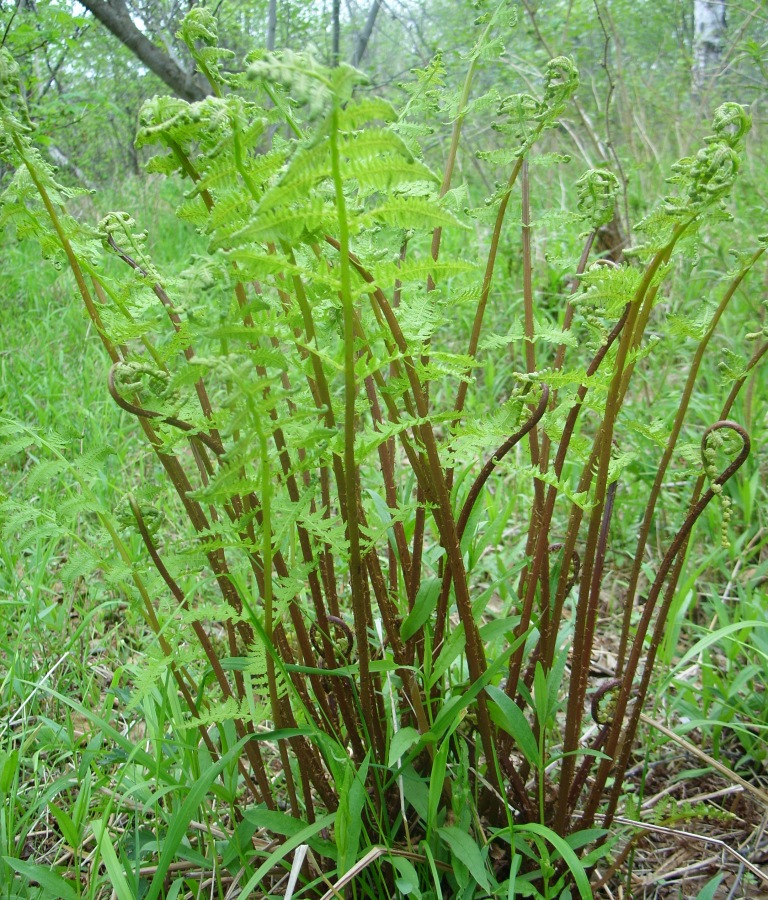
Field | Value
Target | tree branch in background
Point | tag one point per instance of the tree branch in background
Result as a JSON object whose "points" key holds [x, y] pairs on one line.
{"points": [[59, 158], [115, 16], [336, 32], [271, 25], [365, 35]]}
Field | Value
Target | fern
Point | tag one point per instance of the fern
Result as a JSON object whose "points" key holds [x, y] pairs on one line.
{"points": [[326, 485]]}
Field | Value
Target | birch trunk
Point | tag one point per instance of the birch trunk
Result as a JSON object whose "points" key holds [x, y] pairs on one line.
{"points": [[709, 26]]}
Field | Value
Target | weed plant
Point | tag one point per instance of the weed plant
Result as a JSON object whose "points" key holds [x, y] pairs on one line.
{"points": [[338, 661]]}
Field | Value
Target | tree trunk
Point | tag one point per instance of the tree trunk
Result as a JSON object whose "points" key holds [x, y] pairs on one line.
{"points": [[115, 16], [365, 35], [336, 32], [61, 159], [708, 40], [271, 25]]}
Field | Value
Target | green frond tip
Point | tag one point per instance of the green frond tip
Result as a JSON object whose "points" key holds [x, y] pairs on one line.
{"points": [[199, 25], [14, 116], [521, 108], [199, 31], [731, 124], [304, 78], [9, 75], [562, 82], [158, 115], [597, 190]]}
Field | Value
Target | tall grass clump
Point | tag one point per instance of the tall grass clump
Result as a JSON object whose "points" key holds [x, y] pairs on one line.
{"points": [[310, 545]]}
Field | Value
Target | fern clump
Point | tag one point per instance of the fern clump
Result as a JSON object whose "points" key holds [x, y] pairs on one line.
{"points": [[314, 578]]}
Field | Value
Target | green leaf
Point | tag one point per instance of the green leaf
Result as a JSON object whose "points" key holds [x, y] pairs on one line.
{"points": [[80, 807], [288, 826], [416, 790], [9, 763], [710, 888], [452, 647], [115, 871], [449, 716], [577, 869], [510, 718], [436, 782], [423, 606], [194, 797], [464, 848], [349, 820], [541, 695], [408, 880], [403, 740], [410, 212], [54, 885], [715, 636], [69, 831], [303, 837]]}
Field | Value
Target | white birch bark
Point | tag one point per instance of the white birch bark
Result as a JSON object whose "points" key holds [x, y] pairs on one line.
{"points": [[709, 24]]}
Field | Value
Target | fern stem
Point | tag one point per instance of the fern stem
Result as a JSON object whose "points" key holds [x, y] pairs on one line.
{"points": [[530, 364], [550, 622], [561, 349], [324, 400], [360, 612], [638, 646], [582, 637], [72, 259], [685, 399], [251, 747], [485, 291], [189, 353], [466, 510], [458, 123]]}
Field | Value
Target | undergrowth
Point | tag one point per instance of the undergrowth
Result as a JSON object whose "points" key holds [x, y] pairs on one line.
{"points": [[347, 658]]}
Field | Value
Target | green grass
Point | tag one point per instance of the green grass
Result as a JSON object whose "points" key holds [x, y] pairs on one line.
{"points": [[71, 648]]}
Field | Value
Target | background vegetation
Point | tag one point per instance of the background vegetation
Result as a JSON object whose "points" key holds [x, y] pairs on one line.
{"points": [[107, 787]]}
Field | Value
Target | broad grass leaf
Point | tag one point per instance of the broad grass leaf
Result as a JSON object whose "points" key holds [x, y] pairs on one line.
{"points": [[54, 885], [402, 741], [69, 831], [286, 825], [562, 847], [349, 819], [423, 606], [541, 696], [134, 752], [436, 782], [194, 797], [452, 647], [510, 718], [9, 765], [449, 716], [709, 890], [108, 856], [465, 849], [433, 869], [416, 790], [715, 636], [408, 880]]}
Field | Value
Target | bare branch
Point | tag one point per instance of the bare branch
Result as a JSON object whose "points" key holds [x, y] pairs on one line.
{"points": [[114, 15], [365, 35]]}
